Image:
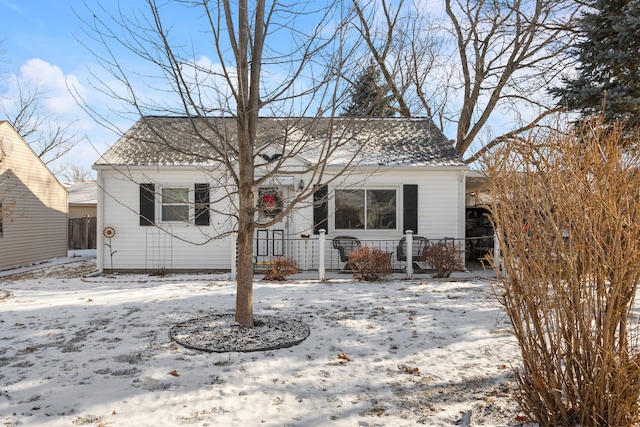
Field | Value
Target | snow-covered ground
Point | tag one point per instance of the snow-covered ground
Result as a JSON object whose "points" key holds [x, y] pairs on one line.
{"points": [[96, 351]]}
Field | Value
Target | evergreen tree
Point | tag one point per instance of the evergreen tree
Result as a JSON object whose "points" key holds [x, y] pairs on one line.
{"points": [[369, 97], [608, 77]]}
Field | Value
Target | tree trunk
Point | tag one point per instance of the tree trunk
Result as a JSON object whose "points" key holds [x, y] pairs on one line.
{"points": [[247, 117], [244, 291], [246, 224]]}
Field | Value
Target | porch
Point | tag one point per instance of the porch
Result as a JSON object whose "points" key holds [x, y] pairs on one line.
{"points": [[320, 254]]}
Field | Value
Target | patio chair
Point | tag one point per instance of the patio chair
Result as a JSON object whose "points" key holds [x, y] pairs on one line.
{"points": [[344, 245], [417, 248]]}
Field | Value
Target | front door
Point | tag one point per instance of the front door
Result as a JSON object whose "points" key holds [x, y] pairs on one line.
{"points": [[270, 242]]}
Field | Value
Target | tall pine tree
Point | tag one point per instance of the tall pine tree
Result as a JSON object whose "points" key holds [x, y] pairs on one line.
{"points": [[608, 77], [369, 97]]}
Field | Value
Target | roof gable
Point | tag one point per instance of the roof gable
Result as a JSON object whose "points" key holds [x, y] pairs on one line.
{"points": [[180, 141], [18, 156]]}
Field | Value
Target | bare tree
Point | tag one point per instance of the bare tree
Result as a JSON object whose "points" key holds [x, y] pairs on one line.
{"points": [[72, 173], [490, 58], [49, 138], [307, 59]]}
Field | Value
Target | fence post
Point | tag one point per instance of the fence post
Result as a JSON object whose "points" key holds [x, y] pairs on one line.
{"points": [[234, 252], [321, 241], [409, 240], [86, 229]]}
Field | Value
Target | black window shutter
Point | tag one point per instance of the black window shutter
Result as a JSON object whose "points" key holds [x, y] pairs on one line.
{"points": [[320, 209], [147, 204], [410, 208], [202, 204]]}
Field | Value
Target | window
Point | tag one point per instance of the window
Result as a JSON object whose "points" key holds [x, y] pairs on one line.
{"points": [[367, 209], [175, 204], [1, 215], [320, 208], [147, 204], [202, 201]]}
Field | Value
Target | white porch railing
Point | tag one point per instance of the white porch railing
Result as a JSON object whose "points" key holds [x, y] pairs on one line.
{"points": [[317, 253]]}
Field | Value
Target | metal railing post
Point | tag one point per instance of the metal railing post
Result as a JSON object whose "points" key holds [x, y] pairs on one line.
{"points": [[321, 242], [409, 240]]}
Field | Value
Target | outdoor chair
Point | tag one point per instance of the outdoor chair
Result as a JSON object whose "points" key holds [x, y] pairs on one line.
{"points": [[417, 248], [344, 245]]}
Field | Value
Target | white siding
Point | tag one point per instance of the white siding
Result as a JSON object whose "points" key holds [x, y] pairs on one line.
{"points": [[170, 245], [183, 246], [439, 207]]}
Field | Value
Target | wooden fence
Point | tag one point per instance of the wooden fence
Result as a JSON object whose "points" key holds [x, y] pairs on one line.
{"points": [[82, 233]]}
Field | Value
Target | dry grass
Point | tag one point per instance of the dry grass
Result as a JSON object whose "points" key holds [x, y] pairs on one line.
{"points": [[567, 210]]}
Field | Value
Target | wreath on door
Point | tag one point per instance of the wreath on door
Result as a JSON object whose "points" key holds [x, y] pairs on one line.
{"points": [[270, 203]]}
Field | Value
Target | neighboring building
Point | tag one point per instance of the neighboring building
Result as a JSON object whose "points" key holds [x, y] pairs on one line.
{"points": [[33, 205], [162, 197], [83, 199]]}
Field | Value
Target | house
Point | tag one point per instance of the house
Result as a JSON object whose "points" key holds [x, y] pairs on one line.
{"points": [[83, 201], [33, 205], [164, 200]]}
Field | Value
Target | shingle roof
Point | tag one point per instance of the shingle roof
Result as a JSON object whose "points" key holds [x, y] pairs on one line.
{"points": [[83, 193], [175, 141]]}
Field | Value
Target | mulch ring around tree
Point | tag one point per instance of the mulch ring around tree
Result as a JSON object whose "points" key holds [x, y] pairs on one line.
{"points": [[220, 333]]}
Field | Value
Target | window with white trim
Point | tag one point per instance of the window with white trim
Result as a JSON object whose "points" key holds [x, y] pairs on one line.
{"points": [[175, 204], [366, 209]]}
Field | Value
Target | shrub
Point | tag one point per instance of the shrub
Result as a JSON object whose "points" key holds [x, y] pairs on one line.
{"points": [[160, 272], [280, 268], [369, 264], [444, 258], [567, 209]]}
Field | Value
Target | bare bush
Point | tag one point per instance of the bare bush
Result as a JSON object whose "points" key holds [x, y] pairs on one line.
{"points": [[444, 258], [280, 268], [369, 264], [567, 211]]}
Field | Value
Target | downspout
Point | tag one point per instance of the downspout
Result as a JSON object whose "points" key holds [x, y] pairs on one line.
{"points": [[99, 225]]}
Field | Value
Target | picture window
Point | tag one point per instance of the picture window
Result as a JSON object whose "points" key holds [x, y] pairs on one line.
{"points": [[367, 209]]}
